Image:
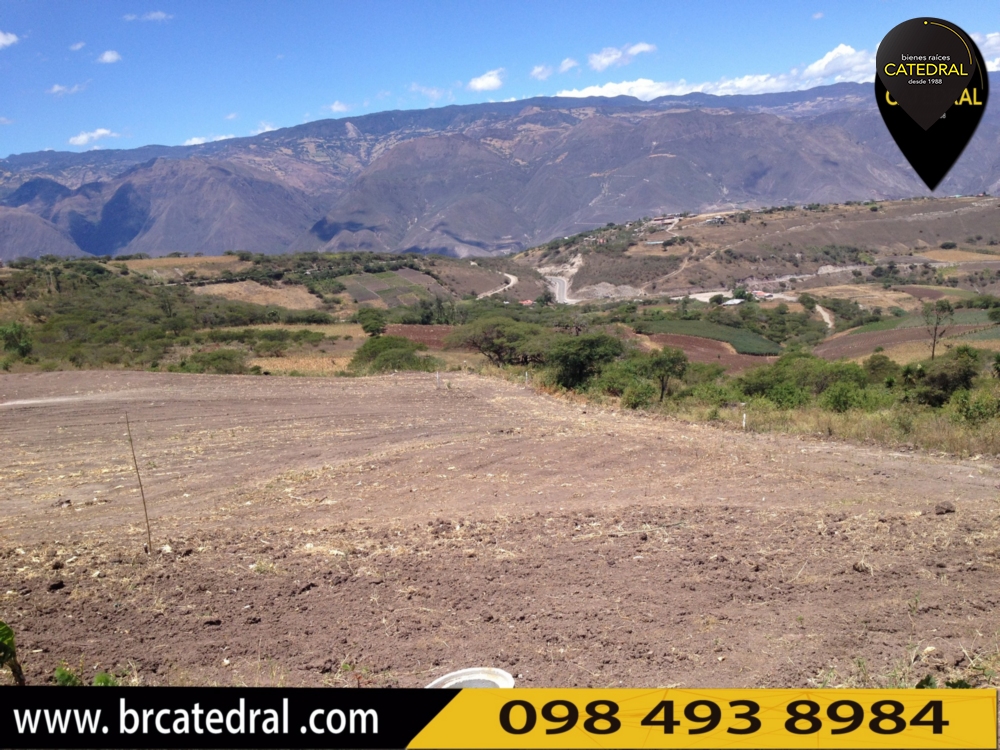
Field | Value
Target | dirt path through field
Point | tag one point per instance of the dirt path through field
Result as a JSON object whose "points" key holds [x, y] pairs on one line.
{"points": [[385, 531]]}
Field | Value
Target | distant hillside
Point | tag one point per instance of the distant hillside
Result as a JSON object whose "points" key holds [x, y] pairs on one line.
{"points": [[473, 180]]}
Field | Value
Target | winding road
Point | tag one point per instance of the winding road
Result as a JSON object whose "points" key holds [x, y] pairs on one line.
{"points": [[560, 287], [511, 280]]}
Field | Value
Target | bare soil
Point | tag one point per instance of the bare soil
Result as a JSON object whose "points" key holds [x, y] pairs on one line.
{"points": [[294, 297], [862, 344], [710, 352], [384, 531], [433, 336]]}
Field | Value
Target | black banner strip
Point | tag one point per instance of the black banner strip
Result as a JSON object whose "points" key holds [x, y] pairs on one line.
{"points": [[169, 717]]}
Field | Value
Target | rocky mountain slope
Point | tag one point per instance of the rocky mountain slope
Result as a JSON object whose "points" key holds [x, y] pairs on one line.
{"points": [[480, 179]]}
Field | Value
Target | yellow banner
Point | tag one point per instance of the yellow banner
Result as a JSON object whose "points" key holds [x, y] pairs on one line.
{"points": [[669, 718]]}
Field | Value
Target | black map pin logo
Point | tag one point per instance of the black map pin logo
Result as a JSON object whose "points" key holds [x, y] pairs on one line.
{"points": [[931, 87]]}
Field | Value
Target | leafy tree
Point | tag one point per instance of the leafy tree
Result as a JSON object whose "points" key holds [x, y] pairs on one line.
{"points": [[937, 317], [545, 299], [502, 340], [372, 320], [665, 364], [577, 358]]}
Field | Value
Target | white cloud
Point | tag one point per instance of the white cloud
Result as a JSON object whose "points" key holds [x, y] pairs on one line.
{"points": [[60, 90], [198, 141], [232, 116], [156, 15], [338, 106], [78, 46], [7, 39], [5, 121], [541, 72], [817, 15], [843, 63], [989, 44], [638, 49], [491, 80], [84, 138], [568, 64], [614, 56], [605, 58], [264, 127], [429, 91], [109, 57]]}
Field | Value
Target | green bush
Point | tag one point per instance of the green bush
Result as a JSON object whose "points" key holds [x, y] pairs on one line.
{"points": [[842, 396], [372, 320], [616, 377], [976, 409], [802, 371], [220, 361], [16, 339], [391, 353], [638, 395]]}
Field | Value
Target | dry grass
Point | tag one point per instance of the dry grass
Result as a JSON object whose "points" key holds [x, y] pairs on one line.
{"points": [[915, 351], [869, 296], [958, 256], [312, 366], [210, 266], [900, 426], [293, 297], [327, 329]]}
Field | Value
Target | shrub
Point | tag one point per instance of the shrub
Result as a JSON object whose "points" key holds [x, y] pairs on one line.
{"points": [[372, 320], [638, 395], [976, 410], [16, 339], [935, 383], [389, 353], [842, 396], [617, 377], [220, 361], [8, 653]]}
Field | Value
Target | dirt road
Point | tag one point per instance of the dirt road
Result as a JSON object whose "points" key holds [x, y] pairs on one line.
{"points": [[511, 281], [385, 531]]}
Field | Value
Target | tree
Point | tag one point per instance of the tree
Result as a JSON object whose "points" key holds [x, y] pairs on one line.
{"points": [[665, 364], [16, 339], [545, 299], [937, 317], [577, 358], [503, 341], [372, 320]]}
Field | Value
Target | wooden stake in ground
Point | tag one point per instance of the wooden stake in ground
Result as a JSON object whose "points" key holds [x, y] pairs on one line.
{"points": [[142, 493]]}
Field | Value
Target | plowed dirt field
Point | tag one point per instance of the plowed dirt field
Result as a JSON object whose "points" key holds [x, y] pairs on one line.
{"points": [[862, 344], [384, 531]]}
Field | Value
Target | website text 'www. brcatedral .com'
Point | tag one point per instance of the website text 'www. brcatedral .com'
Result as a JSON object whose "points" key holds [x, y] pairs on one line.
{"points": [[195, 720]]}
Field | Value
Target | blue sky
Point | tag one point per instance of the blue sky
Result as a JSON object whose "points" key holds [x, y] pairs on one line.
{"points": [[122, 74]]}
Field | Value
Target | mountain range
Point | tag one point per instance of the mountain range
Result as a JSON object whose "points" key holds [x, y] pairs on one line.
{"points": [[472, 180]]}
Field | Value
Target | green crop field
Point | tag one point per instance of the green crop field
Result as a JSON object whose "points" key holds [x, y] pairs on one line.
{"points": [[388, 286], [743, 341]]}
